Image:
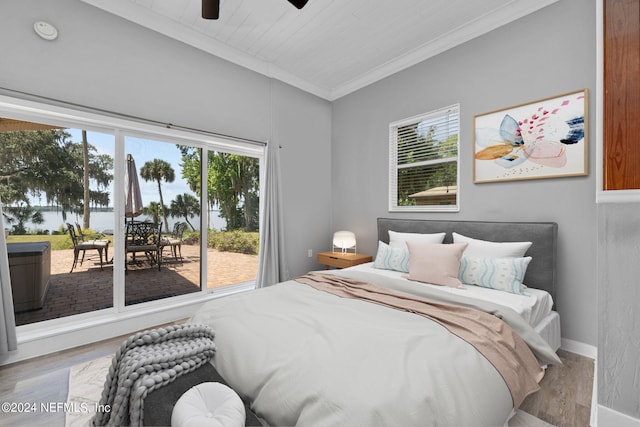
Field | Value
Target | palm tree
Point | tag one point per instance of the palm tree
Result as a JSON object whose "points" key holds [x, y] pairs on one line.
{"points": [[154, 211], [159, 170], [185, 206]]}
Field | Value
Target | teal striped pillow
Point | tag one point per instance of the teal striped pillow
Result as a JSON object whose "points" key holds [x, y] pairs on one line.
{"points": [[389, 258], [505, 274]]}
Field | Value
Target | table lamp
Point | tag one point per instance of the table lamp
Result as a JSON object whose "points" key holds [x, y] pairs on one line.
{"points": [[344, 240]]}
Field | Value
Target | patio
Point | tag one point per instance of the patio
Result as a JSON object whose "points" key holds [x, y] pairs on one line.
{"points": [[88, 288]]}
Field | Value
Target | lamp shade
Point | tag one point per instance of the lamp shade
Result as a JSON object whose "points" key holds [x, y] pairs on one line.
{"points": [[344, 240]]}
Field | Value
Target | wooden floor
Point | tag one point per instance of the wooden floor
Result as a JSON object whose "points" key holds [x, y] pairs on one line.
{"points": [[564, 400], [44, 380]]}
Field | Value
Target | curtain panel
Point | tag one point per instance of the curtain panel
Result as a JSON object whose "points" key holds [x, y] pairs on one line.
{"points": [[8, 339], [272, 266]]}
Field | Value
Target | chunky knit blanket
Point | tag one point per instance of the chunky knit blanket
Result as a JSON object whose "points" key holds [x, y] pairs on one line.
{"points": [[147, 361]]}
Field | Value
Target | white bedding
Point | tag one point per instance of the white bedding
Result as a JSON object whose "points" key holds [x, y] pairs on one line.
{"points": [[533, 307], [309, 358]]}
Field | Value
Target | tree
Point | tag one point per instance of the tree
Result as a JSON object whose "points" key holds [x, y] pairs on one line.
{"points": [[100, 167], [47, 163], [185, 206], [232, 185], [223, 190], [415, 145], [22, 213], [158, 170], [154, 210]]}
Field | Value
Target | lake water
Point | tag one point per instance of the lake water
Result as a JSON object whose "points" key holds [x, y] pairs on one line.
{"points": [[103, 221]]}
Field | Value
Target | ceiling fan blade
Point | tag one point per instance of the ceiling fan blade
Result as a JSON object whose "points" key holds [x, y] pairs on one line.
{"points": [[210, 9], [298, 3]]}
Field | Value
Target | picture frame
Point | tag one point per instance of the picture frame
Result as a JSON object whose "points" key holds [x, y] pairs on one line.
{"points": [[546, 138]]}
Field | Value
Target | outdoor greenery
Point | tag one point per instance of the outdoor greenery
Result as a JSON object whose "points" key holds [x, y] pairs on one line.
{"points": [[58, 241], [159, 170], [73, 176], [234, 241], [415, 145], [185, 206], [36, 163], [233, 184], [154, 211], [224, 241]]}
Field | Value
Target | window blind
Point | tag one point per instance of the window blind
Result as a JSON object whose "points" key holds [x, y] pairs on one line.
{"points": [[423, 166]]}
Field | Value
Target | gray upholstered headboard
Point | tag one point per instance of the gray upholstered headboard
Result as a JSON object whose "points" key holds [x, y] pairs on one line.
{"points": [[541, 273]]}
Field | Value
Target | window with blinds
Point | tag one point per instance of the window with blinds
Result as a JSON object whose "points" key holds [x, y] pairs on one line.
{"points": [[423, 162]]}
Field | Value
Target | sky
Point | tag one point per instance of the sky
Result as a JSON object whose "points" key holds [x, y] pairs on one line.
{"points": [[142, 150]]}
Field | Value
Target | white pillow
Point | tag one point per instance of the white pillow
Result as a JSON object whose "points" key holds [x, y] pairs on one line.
{"points": [[397, 239], [485, 249], [389, 258], [505, 274], [209, 404]]}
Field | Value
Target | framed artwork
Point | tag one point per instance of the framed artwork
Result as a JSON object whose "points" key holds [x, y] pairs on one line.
{"points": [[541, 139]]}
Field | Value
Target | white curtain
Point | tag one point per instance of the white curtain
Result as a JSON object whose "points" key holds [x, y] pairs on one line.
{"points": [[8, 340], [272, 267]]}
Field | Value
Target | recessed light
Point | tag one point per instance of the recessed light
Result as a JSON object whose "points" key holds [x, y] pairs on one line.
{"points": [[45, 30]]}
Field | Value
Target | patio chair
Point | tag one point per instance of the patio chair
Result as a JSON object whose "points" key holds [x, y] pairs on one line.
{"points": [[144, 237], [87, 245], [174, 240], [85, 237]]}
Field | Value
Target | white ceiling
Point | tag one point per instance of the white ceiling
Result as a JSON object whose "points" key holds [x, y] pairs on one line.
{"points": [[331, 47]]}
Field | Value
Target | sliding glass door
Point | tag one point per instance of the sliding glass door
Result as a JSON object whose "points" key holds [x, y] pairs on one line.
{"points": [[117, 219], [57, 194], [161, 222], [230, 226], [233, 218]]}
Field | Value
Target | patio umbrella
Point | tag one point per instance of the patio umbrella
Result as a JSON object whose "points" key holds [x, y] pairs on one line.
{"points": [[133, 198]]}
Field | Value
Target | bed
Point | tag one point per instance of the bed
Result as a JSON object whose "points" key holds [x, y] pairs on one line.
{"points": [[541, 273], [360, 346]]}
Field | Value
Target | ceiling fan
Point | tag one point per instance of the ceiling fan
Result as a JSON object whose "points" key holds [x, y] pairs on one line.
{"points": [[211, 8]]}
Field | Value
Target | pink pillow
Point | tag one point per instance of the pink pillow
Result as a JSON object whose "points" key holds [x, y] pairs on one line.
{"points": [[434, 263]]}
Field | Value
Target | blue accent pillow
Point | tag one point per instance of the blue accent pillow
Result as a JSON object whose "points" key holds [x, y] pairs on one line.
{"points": [[505, 274], [389, 258]]}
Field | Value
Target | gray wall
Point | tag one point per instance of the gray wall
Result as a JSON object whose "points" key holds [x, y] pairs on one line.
{"points": [[541, 55], [618, 307], [304, 129], [103, 61]]}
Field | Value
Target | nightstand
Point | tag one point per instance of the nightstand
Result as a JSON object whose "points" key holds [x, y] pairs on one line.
{"points": [[340, 260]]}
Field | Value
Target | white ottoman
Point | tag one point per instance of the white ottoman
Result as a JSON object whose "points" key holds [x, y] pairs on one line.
{"points": [[209, 405]]}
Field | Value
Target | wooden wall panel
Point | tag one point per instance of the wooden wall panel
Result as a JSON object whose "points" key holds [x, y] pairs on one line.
{"points": [[621, 94]]}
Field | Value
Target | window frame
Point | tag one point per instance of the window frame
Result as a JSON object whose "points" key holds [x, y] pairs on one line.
{"points": [[393, 161]]}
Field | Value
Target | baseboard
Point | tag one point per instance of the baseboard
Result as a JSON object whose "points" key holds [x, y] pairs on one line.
{"points": [[608, 417], [593, 421], [577, 347]]}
